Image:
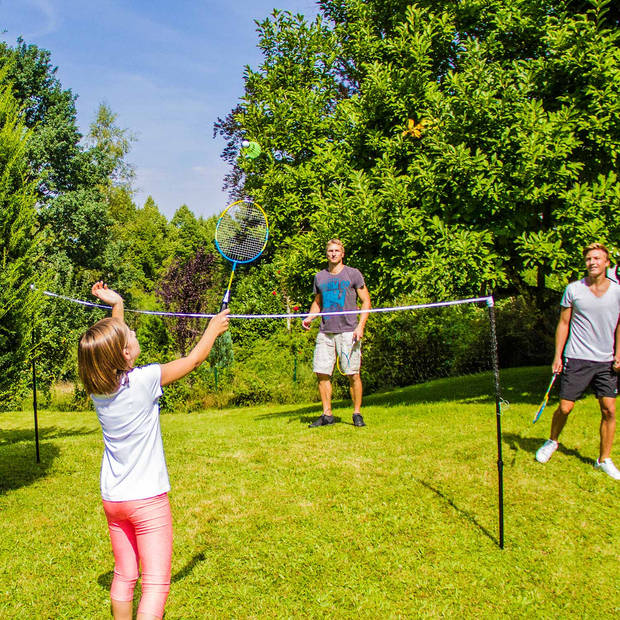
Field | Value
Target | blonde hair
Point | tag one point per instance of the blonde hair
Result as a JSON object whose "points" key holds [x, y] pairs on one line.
{"points": [[595, 246], [334, 242], [101, 363]]}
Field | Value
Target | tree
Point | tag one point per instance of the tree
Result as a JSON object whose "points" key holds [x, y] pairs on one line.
{"points": [[191, 232], [186, 288], [54, 151], [141, 246], [18, 247], [111, 145], [456, 148], [80, 191]]}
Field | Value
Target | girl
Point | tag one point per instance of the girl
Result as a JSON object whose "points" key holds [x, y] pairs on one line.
{"points": [[134, 478]]}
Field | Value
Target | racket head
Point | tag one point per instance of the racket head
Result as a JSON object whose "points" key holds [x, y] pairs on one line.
{"points": [[343, 353], [242, 231], [338, 365]]}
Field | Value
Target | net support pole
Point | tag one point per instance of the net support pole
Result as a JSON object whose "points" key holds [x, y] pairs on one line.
{"points": [[34, 395], [498, 417]]}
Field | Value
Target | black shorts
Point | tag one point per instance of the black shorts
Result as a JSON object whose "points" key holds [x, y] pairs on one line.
{"points": [[578, 375]]}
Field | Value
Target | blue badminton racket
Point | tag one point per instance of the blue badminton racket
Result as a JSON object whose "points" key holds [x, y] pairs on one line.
{"points": [[241, 236], [545, 399]]}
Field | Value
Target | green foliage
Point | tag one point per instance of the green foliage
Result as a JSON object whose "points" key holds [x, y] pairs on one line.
{"points": [[275, 369], [191, 233], [405, 348], [111, 145], [458, 149], [78, 226], [525, 333], [221, 354], [258, 289], [513, 166], [156, 342], [141, 247], [19, 248], [53, 152], [74, 218]]}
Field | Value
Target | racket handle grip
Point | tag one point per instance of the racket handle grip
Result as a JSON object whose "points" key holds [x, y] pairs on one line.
{"points": [[225, 300]]}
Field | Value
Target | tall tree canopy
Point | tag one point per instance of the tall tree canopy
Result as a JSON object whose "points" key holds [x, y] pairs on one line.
{"points": [[82, 188], [18, 246], [455, 147]]}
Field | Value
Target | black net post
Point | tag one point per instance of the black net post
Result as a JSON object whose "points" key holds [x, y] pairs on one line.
{"points": [[498, 417], [34, 393]]}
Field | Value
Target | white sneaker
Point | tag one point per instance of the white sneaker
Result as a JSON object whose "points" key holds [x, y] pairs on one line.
{"points": [[545, 452], [609, 468]]}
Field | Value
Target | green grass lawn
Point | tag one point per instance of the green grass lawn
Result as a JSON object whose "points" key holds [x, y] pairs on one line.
{"points": [[272, 519]]}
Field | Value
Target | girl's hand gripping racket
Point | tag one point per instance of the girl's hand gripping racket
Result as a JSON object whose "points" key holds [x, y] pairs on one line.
{"points": [[240, 236], [545, 399]]}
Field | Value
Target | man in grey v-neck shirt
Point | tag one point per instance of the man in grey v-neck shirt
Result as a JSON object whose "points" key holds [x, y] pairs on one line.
{"points": [[587, 353]]}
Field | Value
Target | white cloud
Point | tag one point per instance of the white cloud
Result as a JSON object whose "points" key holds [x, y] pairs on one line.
{"points": [[30, 19]]}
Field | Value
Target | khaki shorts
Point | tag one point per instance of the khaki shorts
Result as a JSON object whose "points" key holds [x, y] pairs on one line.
{"points": [[330, 345]]}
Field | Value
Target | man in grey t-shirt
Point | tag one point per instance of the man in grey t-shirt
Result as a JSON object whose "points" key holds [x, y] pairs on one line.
{"points": [[587, 353], [337, 289]]}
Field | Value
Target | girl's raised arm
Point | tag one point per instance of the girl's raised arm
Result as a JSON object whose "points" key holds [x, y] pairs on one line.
{"points": [[172, 371]]}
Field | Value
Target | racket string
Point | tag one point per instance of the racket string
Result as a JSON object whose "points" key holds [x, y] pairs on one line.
{"points": [[242, 232]]}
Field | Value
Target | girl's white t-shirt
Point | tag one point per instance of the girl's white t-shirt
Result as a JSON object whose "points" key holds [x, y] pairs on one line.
{"points": [[134, 464]]}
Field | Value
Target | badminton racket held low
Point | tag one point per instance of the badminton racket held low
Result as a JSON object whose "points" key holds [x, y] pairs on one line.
{"points": [[347, 357], [545, 399], [348, 362], [241, 236]]}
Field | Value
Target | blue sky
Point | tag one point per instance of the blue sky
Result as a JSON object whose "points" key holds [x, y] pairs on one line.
{"points": [[167, 69]]}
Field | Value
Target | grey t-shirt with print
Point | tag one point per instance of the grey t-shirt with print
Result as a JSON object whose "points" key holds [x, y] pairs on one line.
{"points": [[338, 293]]}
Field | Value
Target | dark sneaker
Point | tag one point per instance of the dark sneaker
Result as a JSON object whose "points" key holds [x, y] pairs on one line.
{"points": [[358, 420], [324, 420]]}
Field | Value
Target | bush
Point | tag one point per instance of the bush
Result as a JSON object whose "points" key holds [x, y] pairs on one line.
{"points": [[526, 335], [410, 347]]}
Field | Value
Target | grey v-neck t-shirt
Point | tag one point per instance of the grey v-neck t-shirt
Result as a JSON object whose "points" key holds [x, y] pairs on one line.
{"points": [[593, 322]]}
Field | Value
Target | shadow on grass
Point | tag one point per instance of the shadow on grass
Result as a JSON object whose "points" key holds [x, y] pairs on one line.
{"points": [[474, 388], [463, 513], [306, 414], [45, 433], [105, 579], [531, 444], [189, 567], [307, 420], [518, 385], [18, 466]]}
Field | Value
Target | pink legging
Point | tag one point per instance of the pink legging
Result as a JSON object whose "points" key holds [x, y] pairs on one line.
{"points": [[141, 533]]}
